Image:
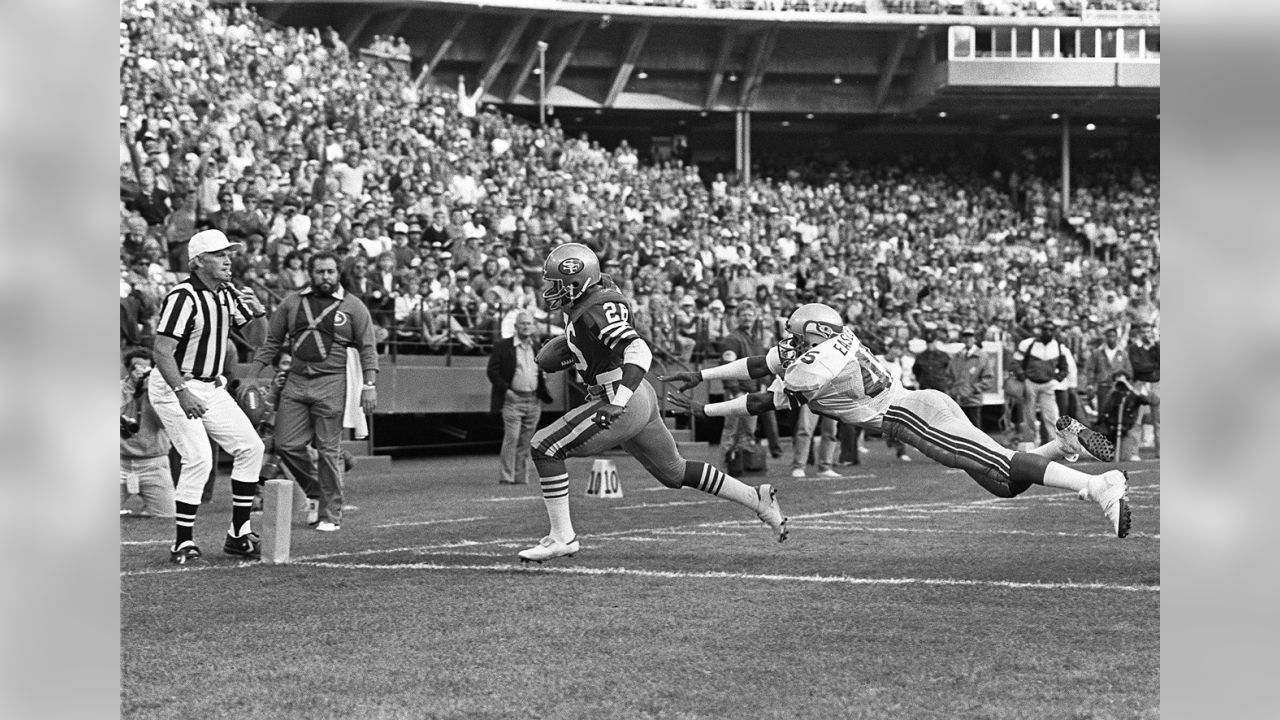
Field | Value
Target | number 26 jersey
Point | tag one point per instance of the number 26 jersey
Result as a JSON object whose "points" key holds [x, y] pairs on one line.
{"points": [[599, 329], [838, 378]]}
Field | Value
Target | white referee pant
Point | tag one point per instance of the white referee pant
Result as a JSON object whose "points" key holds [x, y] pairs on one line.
{"points": [[223, 421]]}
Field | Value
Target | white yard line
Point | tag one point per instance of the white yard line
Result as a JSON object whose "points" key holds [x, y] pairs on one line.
{"points": [[431, 522], [864, 490], [676, 503], [714, 575]]}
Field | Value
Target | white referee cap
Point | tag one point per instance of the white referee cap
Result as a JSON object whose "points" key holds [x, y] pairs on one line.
{"points": [[207, 241]]}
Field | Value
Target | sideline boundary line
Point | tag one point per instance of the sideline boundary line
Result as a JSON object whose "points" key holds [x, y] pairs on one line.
{"points": [[718, 575], [511, 568]]}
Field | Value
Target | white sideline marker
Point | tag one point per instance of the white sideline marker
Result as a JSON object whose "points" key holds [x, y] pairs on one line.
{"points": [[277, 521], [604, 480]]}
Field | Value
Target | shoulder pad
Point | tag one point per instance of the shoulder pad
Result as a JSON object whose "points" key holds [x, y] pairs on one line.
{"points": [[594, 300], [809, 376]]}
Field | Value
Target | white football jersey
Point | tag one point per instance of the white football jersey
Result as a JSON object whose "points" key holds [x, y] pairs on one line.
{"points": [[839, 378]]}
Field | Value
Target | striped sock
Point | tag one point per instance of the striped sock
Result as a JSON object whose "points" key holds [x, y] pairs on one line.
{"points": [[241, 503], [555, 495], [709, 479], [185, 521]]}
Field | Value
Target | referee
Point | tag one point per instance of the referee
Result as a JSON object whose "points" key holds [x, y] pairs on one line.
{"points": [[189, 392]]}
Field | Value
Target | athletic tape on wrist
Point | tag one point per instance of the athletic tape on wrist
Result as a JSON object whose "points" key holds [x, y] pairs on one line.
{"points": [[736, 406], [621, 396], [736, 370]]}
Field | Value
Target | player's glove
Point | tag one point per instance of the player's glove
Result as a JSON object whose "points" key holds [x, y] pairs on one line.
{"points": [[686, 404], [606, 413], [685, 380]]}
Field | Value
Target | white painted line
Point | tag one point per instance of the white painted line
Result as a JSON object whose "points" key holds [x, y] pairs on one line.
{"points": [[865, 476], [676, 503], [946, 531], [712, 575], [432, 522], [144, 542], [455, 553], [862, 490], [706, 533], [513, 499]]}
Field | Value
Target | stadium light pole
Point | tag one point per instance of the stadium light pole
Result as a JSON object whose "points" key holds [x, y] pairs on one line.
{"points": [[542, 83]]}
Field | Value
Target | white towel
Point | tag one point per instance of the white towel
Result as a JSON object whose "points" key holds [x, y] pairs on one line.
{"points": [[353, 415]]}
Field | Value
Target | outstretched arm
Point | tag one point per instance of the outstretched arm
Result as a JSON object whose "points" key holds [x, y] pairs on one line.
{"points": [[750, 404], [747, 368]]}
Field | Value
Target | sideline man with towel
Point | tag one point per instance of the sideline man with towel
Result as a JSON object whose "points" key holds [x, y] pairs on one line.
{"points": [[330, 334]]}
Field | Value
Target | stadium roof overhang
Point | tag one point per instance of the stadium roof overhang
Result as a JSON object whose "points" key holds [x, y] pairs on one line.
{"points": [[845, 67]]}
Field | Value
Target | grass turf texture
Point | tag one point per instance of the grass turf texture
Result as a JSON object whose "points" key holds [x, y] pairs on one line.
{"points": [[904, 591]]}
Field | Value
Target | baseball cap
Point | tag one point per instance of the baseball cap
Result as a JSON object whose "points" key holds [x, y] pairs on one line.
{"points": [[207, 241], [717, 305], [400, 228]]}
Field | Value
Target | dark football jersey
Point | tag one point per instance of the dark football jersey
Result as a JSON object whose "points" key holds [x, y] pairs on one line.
{"points": [[599, 328]]}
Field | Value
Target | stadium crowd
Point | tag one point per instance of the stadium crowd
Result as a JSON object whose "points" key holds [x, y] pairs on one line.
{"points": [[441, 211]]}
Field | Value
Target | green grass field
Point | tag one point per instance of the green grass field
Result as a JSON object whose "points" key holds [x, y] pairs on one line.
{"points": [[905, 591]]}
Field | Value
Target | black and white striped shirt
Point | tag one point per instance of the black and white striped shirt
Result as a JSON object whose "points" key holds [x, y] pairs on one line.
{"points": [[200, 319]]}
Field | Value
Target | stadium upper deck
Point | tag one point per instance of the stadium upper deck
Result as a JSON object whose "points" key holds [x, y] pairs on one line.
{"points": [[624, 57]]}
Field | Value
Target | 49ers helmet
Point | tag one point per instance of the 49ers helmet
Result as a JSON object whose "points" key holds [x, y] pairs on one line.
{"points": [[570, 269], [809, 325]]}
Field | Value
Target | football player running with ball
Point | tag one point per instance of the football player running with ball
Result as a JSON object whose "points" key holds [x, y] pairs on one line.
{"points": [[820, 363], [621, 407]]}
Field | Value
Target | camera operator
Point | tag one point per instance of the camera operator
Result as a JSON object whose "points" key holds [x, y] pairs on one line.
{"points": [[144, 446]]}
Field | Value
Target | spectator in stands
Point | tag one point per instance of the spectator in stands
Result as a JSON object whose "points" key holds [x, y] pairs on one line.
{"points": [[826, 212], [293, 276], [150, 201]]}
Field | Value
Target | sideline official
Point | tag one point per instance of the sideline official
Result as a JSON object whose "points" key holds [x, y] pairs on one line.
{"points": [[189, 393], [329, 333], [519, 389]]}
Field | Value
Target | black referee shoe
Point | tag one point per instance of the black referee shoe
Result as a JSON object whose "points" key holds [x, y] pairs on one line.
{"points": [[249, 546]]}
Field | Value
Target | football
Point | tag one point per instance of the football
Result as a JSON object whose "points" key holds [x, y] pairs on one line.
{"points": [[555, 355], [252, 403]]}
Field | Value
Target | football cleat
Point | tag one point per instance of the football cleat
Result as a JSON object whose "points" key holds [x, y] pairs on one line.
{"points": [[829, 473], [327, 526], [184, 554], [248, 545], [797, 473], [1108, 490], [1077, 438], [769, 513], [548, 548]]}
